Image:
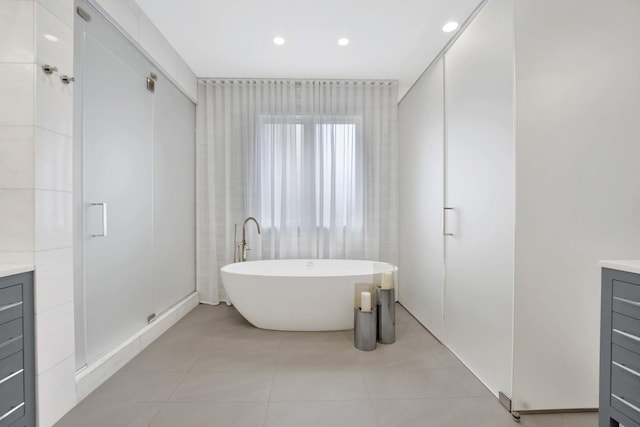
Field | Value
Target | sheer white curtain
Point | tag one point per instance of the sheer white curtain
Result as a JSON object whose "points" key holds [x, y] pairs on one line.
{"points": [[313, 161]]}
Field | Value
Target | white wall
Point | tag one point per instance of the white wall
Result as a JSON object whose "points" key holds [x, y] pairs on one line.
{"points": [[421, 198], [36, 192], [578, 198], [17, 58], [576, 174]]}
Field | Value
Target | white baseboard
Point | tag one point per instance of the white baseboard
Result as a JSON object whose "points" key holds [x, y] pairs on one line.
{"points": [[91, 377]]}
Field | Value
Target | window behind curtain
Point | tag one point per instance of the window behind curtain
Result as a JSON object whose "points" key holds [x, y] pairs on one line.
{"points": [[310, 173]]}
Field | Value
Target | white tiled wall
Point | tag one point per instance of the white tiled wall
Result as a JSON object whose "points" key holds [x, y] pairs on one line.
{"points": [[16, 87], [16, 220], [53, 222], [35, 183], [55, 344], [16, 132], [16, 41], [54, 272], [53, 161], [58, 52], [16, 157], [59, 392], [36, 112]]}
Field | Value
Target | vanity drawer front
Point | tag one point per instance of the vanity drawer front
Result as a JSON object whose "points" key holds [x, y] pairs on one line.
{"points": [[626, 332], [626, 299], [10, 303], [11, 396], [10, 338], [624, 357], [625, 382], [11, 365], [10, 417]]}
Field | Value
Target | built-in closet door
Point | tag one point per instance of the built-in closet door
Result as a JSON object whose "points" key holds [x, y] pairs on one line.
{"points": [[421, 198], [117, 188], [479, 256]]}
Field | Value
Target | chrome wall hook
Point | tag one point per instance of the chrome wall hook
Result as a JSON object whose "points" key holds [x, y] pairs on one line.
{"points": [[66, 79], [49, 69]]}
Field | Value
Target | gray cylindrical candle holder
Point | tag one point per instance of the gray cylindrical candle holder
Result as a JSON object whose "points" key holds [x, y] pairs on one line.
{"points": [[364, 329], [386, 308]]}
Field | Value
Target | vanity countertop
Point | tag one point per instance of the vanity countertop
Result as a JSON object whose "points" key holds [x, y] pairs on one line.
{"points": [[11, 269], [629, 265]]}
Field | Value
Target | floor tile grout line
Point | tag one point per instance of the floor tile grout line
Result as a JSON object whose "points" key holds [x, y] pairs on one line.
{"points": [[273, 380], [156, 414], [370, 400], [184, 376]]}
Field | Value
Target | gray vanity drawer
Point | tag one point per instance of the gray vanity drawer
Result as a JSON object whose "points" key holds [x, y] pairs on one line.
{"points": [[11, 365], [625, 382], [10, 417], [626, 332], [626, 299], [10, 303], [10, 338], [624, 357], [11, 395]]}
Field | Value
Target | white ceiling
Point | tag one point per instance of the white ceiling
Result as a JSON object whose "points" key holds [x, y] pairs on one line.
{"points": [[389, 39]]}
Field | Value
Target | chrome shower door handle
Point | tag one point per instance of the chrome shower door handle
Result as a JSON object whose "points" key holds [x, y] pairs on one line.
{"points": [[444, 221], [104, 219]]}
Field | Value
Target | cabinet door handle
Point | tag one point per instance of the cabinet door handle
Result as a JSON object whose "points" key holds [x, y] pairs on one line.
{"points": [[627, 335], [8, 377], [621, 366], [10, 306], [10, 341], [104, 219], [630, 405], [444, 221], [11, 411], [627, 301]]}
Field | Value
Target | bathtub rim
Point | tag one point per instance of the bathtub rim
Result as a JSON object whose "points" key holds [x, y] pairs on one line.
{"points": [[227, 268]]}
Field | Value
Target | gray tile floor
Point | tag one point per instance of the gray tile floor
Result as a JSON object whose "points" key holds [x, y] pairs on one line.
{"points": [[215, 369]]}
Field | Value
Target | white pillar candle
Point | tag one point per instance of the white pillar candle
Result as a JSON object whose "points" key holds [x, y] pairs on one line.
{"points": [[387, 280], [365, 298]]}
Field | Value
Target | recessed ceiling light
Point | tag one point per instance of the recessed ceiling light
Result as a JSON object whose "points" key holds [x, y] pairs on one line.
{"points": [[278, 40], [450, 26], [51, 37], [343, 41]]}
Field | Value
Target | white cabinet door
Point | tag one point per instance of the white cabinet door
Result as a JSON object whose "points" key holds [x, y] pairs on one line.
{"points": [[117, 169], [479, 257], [421, 198]]}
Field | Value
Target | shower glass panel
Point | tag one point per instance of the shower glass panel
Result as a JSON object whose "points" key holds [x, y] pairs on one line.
{"points": [[173, 196], [117, 171]]}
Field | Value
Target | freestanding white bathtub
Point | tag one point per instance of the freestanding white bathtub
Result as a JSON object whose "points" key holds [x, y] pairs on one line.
{"points": [[298, 294]]}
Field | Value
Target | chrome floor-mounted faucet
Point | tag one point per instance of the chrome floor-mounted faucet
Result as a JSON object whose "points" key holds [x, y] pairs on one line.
{"points": [[241, 249]]}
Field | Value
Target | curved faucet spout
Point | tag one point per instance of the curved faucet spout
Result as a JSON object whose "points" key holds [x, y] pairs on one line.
{"points": [[243, 244], [244, 225]]}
